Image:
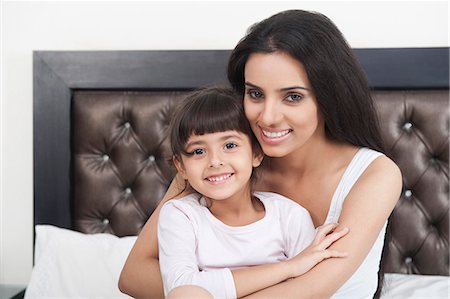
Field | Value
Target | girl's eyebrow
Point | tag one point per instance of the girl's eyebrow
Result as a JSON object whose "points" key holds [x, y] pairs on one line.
{"points": [[281, 89], [223, 138], [192, 143], [232, 135]]}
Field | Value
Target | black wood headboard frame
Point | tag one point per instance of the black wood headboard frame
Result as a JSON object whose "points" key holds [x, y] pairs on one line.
{"points": [[58, 74]]}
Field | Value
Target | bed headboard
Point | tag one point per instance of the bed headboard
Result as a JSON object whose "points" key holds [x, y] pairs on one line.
{"points": [[101, 154]]}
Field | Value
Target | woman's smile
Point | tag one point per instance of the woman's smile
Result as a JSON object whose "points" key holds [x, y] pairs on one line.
{"points": [[274, 136]]}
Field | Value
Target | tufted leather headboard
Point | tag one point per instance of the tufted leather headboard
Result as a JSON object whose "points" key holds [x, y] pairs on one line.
{"points": [[101, 154], [415, 128], [121, 155]]}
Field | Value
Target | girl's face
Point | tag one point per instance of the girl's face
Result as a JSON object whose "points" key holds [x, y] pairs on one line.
{"points": [[220, 165], [280, 104]]}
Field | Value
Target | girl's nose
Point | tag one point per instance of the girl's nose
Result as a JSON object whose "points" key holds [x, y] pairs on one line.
{"points": [[215, 160], [215, 163]]}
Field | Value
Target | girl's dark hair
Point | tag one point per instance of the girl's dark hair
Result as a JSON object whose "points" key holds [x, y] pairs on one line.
{"points": [[336, 77], [209, 110]]}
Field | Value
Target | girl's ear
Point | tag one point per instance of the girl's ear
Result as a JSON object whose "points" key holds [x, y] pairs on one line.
{"points": [[179, 166], [257, 158]]}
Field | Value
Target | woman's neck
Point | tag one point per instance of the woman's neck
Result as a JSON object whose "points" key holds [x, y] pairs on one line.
{"points": [[320, 158], [309, 177]]}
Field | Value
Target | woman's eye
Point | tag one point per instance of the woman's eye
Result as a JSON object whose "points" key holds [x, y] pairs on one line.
{"points": [[254, 94], [230, 145], [294, 97]]}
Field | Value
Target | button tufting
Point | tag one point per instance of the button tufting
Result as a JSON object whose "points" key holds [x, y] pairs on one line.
{"points": [[128, 191], [105, 157], [127, 125], [408, 193], [105, 221], [433, 227], [408, 260], [151, 158], [407, 126]]}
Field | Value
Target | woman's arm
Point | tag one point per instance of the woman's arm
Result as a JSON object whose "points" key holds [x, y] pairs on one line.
{"points": [[252, 279], [140, 276], [365, 211]]}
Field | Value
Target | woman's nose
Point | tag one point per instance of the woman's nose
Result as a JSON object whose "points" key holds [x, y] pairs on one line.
{"points": [[270, 114]]}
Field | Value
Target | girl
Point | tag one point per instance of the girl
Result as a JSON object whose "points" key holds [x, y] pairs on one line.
{"points": [[309, 105], [210, 238]]}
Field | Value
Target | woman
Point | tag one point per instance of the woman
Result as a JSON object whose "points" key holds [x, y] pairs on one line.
{"points": [[309, 105]]}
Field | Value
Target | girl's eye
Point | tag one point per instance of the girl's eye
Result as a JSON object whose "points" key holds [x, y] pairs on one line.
{"points": [[230, 145], [254, 94], [294, 97], [198, 151]]}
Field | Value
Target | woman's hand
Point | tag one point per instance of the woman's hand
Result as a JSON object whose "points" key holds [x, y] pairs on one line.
{"points": [[318, 250]]}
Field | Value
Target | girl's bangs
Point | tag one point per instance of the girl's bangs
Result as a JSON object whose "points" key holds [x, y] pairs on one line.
{"points": [[214, 115]]}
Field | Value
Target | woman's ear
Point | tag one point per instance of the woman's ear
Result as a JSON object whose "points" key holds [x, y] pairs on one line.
{"points": [[179, 166]]}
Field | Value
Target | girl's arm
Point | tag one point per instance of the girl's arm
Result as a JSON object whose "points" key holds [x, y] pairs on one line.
{"points": [[140, 276], [365, 211], [179, 264]]}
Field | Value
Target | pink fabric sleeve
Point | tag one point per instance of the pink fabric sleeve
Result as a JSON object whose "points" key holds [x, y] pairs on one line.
{"points": [[300, 230], [177, 255]]}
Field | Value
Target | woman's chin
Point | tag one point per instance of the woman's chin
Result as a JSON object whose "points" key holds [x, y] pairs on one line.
{"points": [[273, 152]]}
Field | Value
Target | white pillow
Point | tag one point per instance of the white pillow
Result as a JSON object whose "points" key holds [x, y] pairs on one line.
{"points": [[70, 264], [415, 286]]}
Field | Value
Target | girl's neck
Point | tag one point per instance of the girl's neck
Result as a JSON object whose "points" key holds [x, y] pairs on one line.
{"points": [[239, 210]]}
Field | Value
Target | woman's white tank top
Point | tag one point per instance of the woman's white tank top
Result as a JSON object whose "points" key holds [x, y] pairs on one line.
{"points": [[363, 283]]}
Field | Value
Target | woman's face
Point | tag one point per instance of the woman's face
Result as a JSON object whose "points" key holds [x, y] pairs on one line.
{"points": [[280, 104]]}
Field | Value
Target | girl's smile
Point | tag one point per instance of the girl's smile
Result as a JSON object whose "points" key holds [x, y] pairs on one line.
{"points": [[219, 179], [219, 165]]}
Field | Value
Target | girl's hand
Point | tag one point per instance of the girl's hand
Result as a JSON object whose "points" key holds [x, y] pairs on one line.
{"points": [[318, 250]]}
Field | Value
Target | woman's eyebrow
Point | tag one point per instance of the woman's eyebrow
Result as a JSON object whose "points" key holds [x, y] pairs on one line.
{"points": [[252, 85], [294, 87], [281, 89]]}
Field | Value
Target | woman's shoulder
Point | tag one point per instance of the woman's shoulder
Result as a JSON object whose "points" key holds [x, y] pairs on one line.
{"points": [[382, 166], [375, 163], [382, 176]]}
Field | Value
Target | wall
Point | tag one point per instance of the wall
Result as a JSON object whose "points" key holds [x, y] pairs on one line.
{"points": [[29, 26]]}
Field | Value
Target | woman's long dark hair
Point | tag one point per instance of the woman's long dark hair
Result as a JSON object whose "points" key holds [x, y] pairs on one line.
{"points": [[336, 77]]}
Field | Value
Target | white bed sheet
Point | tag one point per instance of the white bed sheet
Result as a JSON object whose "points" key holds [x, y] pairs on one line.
{"points": [[416, 286], [70, 264]]}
